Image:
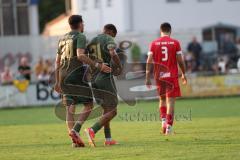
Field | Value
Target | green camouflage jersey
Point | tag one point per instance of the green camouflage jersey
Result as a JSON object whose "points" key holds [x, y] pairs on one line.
{"points": [[71, 68], [72, 72], [104, 82], [69, 43], [99, 50]]}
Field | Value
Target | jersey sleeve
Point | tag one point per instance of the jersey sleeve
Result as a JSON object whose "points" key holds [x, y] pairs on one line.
{"points": [[151, 49], [111, 43], [178, 48], [81, 41]]}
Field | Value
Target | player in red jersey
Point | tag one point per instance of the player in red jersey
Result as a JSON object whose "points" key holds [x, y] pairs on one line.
{"points": [[165, 54]]}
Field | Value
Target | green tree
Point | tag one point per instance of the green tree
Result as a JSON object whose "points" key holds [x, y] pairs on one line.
{"points": [[48, 10], [136, 52]]}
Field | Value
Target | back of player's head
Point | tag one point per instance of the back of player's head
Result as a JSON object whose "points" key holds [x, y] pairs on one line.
{"points": [[110, 28], [74, 21], [166, 27]]}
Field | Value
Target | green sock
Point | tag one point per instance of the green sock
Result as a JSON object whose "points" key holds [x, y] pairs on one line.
{"points": [[77, 127], [96, 127], [107, 132]]}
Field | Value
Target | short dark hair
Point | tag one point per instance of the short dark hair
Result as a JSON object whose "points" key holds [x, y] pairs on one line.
{"points": [[110, 27], [74, 21], [166, 27]]}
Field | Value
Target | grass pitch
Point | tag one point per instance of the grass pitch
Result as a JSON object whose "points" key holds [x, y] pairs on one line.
{"points": [[206, 129]]}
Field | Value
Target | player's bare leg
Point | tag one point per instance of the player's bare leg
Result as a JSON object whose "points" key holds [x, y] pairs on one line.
{"points": [[106, 118], [170, 114], [74, 133], [70, 111], [83, 116], [107, 131], [163, 112]]}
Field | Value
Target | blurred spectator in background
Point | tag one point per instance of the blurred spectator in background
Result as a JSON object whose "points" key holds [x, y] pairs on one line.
{"points": [[39, 67], [195, 48], [189, 62], [44, 77], [229, 47], [238, 65], [215, 68], [49, 66], [24, 69], [222, 64], [6, 76]]}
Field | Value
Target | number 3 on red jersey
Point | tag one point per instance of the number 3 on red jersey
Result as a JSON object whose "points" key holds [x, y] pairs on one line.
{"points": [[165, 53]]}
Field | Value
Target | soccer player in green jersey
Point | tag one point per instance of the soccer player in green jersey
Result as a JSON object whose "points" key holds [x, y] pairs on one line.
{"points": [[102, 49], [71, 76]]}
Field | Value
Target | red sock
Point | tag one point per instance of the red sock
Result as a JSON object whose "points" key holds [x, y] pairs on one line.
{"points": [[169, 119], [163, 112]]}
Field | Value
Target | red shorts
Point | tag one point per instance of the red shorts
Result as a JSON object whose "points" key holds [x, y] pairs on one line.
{"points": [[168, 87]]}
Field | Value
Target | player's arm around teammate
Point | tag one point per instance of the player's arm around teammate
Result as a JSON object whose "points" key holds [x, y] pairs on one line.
{"points": [[70, 75], [82, 57]]}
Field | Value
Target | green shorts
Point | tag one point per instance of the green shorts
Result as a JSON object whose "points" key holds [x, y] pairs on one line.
{"points": [[69, 100], [105, 92], [75, 87]]}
